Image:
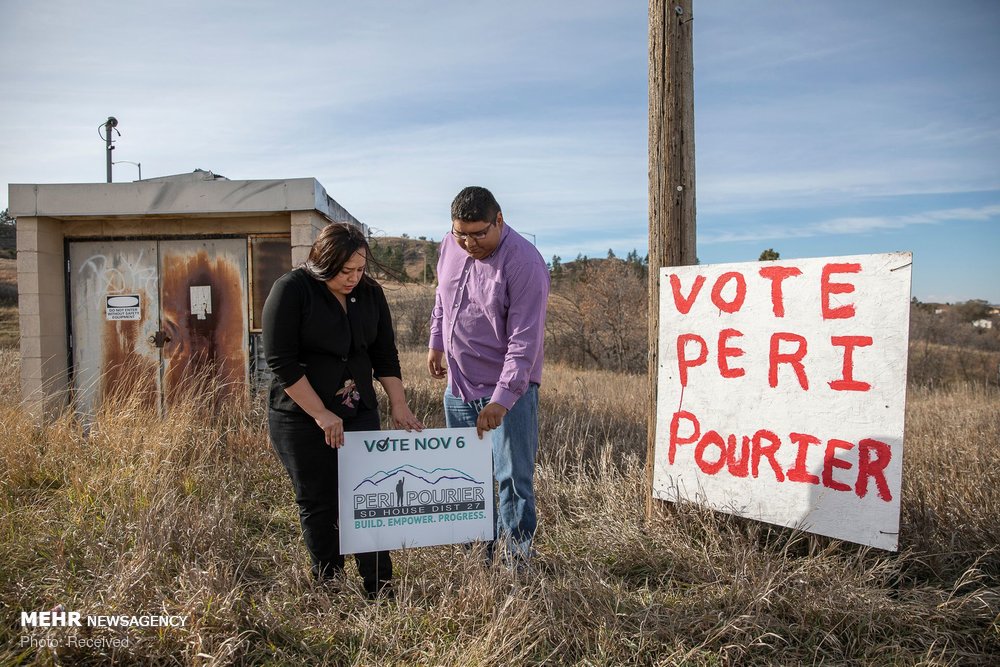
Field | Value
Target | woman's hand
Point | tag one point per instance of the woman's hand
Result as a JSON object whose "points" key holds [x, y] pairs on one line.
{"points": [[403, 418], [306, 398], [400, 411], [333, 428]]}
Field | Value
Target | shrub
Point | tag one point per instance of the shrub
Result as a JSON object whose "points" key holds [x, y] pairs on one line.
{"points": [[598, 317]]}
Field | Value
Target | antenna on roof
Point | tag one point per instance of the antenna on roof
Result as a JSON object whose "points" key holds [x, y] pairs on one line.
{"points": [[110, 124]]}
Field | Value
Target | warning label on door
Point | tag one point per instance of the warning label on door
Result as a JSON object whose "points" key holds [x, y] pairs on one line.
{"points": [[123, 307]]}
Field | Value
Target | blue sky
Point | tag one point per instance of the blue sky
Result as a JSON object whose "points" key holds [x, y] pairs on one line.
{"points": [[822, 129]]}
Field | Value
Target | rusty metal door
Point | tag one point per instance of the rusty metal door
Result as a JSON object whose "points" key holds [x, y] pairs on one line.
{"points": [[114, 304], [203, 310], [157, 321]]}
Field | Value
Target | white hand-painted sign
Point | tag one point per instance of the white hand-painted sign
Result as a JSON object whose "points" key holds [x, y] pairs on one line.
{"points": [[781, 392], [414, 489], [122, 307]]}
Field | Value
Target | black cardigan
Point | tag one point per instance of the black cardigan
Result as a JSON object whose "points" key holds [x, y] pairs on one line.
{"points": [[306, 332]]}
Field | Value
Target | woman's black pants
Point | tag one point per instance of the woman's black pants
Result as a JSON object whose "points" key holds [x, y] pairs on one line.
{"points": [[312, 467]]}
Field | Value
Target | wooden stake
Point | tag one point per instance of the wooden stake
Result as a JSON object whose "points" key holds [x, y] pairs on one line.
{"points": [[671, 172]]}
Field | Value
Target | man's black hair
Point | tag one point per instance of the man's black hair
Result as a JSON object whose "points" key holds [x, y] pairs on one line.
{"points": [[475, 204]]}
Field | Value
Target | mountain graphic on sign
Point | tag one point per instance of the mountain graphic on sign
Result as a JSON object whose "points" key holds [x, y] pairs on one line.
{"points": [[432, 477]]}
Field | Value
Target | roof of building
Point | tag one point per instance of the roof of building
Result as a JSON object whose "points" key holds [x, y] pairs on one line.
{"points": [[189, 176], [197, 193]]}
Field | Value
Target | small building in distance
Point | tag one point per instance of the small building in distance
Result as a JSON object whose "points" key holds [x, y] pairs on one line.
{"points": [[143, 289]]}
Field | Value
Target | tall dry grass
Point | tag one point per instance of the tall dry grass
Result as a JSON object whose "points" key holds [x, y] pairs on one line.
{"points": [[192, 514]]}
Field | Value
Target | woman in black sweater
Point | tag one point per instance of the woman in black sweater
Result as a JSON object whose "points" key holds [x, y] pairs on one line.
{"points": [[327, 332]]}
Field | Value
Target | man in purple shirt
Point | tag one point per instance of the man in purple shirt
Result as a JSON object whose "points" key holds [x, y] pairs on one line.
{"points": [[488, 324]]}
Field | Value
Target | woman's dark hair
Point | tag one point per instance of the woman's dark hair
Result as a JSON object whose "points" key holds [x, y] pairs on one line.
{"points": [[336, 243]]}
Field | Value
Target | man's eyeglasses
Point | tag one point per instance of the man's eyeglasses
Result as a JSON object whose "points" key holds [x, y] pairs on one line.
{"points": [[475, 236]]}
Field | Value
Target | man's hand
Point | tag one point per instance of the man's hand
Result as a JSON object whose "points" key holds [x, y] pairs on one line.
{"points": [[490, 418], [435, 364]]}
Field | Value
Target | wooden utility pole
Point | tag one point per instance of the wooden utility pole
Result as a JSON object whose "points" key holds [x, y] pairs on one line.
{"points": [[671, 171]]}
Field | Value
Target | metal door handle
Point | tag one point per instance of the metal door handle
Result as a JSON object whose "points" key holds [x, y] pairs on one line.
{"points": [[159, 338]]}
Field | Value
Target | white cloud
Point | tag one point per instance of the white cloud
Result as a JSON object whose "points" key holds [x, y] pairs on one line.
{"points": [[850, 225]]}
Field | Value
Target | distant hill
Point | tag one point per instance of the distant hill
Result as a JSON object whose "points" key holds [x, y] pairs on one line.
{"points": [[573, 269], [414, 260], [408, 257]]}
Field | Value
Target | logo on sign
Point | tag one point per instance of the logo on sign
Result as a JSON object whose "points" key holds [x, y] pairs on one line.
{"points": [[411, 491]]}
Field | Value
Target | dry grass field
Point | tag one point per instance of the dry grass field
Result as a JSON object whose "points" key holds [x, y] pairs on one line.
{"points": [[191, 514]]}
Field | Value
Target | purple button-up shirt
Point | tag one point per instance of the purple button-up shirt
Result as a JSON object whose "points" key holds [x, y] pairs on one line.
{"points": [[489, 318]]}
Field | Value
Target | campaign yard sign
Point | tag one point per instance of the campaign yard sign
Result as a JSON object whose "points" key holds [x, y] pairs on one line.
{"points": [[781, 392], [414, 489]]}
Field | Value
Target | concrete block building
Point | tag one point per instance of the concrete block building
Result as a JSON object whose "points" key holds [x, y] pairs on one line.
{"points": [[143, 288]]}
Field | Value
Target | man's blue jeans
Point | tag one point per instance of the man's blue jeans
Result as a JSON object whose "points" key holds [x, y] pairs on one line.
{"points": [[515, 444]]}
